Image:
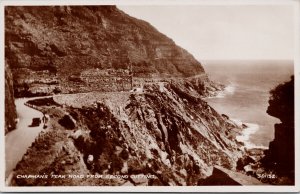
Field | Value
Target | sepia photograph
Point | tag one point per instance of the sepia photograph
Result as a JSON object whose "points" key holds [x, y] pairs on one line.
{"points": [[128, 95]]}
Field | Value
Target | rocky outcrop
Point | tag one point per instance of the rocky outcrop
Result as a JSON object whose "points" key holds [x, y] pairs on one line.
{"points": [[162, 132], [280, 157], [49, 55], [10, 107], [162, 128], [222, 176]]}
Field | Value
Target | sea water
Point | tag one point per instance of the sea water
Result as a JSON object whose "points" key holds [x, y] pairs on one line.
{"points": [[245, 98]]}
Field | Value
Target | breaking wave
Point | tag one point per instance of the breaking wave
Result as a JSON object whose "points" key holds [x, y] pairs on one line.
{"points": [[246, 133], [228, 90]]}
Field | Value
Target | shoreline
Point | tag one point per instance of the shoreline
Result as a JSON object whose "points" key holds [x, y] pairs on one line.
{"points": [[249, 130], [246, 133]]}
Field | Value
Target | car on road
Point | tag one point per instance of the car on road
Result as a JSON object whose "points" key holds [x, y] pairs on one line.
{"points": [[35, 122]]}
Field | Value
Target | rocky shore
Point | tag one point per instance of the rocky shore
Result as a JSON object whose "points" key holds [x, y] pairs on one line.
{"points": [[127, 106]]}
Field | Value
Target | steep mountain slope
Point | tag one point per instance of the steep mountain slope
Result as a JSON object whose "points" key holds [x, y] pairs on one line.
{"points": [[51, 48], [161, 132], [10, 107], [162, 128]]}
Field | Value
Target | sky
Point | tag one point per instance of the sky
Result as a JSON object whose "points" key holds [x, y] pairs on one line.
{"points": [[224, 32]]}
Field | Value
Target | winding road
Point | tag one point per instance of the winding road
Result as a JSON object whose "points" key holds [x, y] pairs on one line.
{"points": [[18, 140]]}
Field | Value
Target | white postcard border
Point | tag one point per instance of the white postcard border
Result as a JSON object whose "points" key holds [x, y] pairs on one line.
{"points": [[296, 188]]}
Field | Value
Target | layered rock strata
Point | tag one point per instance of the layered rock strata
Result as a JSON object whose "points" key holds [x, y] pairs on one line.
{"points": [[69, 49]]}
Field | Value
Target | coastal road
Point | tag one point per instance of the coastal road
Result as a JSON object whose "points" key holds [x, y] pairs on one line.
{"points": [[18, 140]]}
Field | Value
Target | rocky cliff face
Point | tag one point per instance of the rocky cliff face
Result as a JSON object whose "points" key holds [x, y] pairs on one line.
{"points": [[162, 132], [162, 128], [49, 47], [10, 108], [281, 154]]}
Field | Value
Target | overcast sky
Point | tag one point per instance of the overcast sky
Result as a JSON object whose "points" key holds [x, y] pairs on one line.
{"points": [[224, 32]]}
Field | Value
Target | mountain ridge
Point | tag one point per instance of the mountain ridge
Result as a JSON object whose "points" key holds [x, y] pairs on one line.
{"points": [[56, 43], [150, 113]]}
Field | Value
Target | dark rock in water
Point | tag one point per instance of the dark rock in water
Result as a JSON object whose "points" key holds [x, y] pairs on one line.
{"points": [[242, 162], [10, 107], [280, 157], [244, 126], [225, 116]]}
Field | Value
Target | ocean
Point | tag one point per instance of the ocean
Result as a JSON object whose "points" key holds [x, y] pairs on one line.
{"points": [[245, 98]]}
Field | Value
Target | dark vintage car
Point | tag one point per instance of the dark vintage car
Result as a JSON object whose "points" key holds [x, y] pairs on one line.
{"points": [[35, 122]]}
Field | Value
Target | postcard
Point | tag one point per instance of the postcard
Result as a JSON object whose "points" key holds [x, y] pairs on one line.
{"points": [[150, 96]]}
